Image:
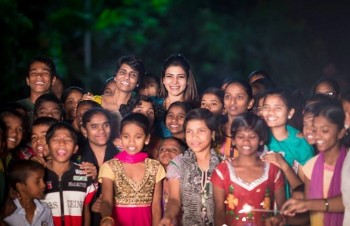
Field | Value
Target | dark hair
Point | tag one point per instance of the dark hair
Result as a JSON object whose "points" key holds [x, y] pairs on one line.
{"points": [[244, 84], [46, 60], [48, 97], [107, 82], [135, 63], [215, 91], [329, 81], [264, 73], [184, 105], [262, 85], [19, 171], [3, 130], [180, 142], [190, 92], [211, 121], [346, 97], [136, 118], [61, 125], [48, 121], [12, 112], [250, 121], [331, 110], [70, 90], [94, 111], [148, 77], [91, 103]]}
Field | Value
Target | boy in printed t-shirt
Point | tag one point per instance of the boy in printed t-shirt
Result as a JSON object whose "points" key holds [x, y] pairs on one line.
{"points": [[68, 189]]}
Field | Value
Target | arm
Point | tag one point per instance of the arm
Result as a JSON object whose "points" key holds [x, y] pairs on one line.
{"points": [[156, 208], [280, 162], [174, 203], [87, 215], [219, 205], [107, 200]]}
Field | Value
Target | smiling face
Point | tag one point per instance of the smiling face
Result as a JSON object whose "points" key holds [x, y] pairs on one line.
{"points": [[328, 134], [275, 112], [70, 104], [212, 103], [34, 186], [175, 80], [236, 100], [133, 138], [198, 136], [40, 78], [38, 140], [15, 131], [145, 108], [308, 128], [247, 141], [62, 145], [97, 130], [126, 78], [175, 119]]}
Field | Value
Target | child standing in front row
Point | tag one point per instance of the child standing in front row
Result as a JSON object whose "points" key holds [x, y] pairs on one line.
{"points": [[246, 180], [69, 190], [27, 178], [131, 182]]}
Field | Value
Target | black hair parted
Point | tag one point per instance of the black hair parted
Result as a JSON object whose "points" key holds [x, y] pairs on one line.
{"points": [[136, 118]]}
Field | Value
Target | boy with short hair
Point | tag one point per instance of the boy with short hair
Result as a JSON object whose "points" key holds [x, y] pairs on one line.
{"points": [[68, 189], [27, 178]]}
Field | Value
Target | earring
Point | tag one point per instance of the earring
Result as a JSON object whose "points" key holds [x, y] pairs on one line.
{"points": [[213, 136], [289, 116]]}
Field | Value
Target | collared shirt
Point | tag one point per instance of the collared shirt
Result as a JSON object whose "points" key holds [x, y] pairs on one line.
{"points": [[42, 215]]}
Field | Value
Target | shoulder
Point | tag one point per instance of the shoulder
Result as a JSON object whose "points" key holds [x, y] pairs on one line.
{"points": [[308, 166]]}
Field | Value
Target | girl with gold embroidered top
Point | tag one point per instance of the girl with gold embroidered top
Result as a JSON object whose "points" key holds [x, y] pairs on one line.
{"points": [[246, 181], [131, 182]]}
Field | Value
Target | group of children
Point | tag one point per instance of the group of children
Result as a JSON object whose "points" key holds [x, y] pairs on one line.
{"points": [[148, 152]]}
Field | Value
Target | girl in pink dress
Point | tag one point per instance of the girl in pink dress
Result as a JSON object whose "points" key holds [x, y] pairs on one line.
{"points": [[246, 181], [131, 182]]}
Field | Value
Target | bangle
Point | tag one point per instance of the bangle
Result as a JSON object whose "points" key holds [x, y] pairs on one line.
{"points": [[326, 204], [107, 218]]}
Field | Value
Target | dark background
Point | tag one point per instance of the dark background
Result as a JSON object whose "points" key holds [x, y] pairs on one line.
{"points": [[296, 41]]}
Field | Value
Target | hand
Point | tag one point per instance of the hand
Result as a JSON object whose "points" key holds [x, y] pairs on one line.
{"points": [[279, 220], [39, 159], [88, 96], [97, 205], [275, 159], [90, 169], [165, 221], [294, 206]]}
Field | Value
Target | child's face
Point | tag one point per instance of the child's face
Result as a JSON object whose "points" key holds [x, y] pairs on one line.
{"points": [[71, 102], [198, 136], [109, 90], [49, 109], [62, 146], [247, 141], [168, 150], [34, 187], [145, 108], [236, 100], [14, 131], [133, 138], [80, 111], [38, 140], [212, 103], [97, 130], [275, 112], [151, 88], [346, 107], [40, 78], [327, 134], [308, 128], [175, 80], [175, 119]]}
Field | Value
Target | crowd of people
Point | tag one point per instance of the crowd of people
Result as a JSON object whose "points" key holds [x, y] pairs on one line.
{"points": [[151, 150]]}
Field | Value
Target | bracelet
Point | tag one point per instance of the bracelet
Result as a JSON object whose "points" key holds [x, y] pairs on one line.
{"points": [[326, 204], [107, 218]]}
